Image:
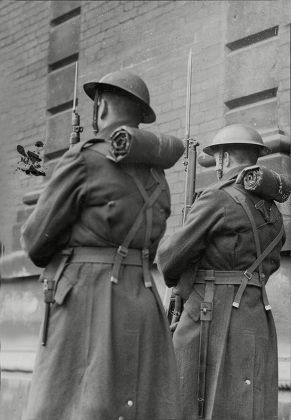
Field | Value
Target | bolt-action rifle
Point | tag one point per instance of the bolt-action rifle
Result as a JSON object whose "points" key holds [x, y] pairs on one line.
{"points": [[49, 285], [190, 159]]}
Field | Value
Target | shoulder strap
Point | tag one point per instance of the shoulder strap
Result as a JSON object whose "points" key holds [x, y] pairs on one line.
{"points": [[240, 198], [88, 143], [146, 209]]}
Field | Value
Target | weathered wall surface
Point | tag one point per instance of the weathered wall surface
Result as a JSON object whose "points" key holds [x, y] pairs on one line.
{"points": [[23, 67], [241, 73]]}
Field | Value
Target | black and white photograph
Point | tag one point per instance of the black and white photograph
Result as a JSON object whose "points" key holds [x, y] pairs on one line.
{"points": [[145, 210]]}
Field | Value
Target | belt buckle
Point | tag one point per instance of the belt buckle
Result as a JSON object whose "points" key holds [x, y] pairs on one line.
{"points": [[248, 275], [122, 251], [145, 253]]}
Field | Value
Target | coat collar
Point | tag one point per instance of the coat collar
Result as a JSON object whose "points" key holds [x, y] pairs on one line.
{"points": [[233, 173], [106, 132]]}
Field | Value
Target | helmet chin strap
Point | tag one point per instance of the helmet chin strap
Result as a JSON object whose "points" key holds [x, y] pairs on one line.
{"points": [[97, 99], [219, 165]]}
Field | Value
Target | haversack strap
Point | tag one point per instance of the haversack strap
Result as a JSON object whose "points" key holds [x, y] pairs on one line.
{"points": [[123, 248], [239, 197]]}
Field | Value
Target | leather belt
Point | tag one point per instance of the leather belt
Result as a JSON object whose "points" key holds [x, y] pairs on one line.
{"points": [[229, 277], [100, 255]]}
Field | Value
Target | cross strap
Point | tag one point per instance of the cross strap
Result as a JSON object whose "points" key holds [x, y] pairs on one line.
{"points": [[240, 198], [146, 209]]}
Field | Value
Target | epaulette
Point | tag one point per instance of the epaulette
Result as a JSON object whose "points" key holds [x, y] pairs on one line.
{"points": [[78, 147], [88, 143], [225, 183]]}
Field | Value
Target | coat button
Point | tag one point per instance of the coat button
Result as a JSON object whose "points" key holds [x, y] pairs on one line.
{"points": [[130, 403], [120, 418], [247, 381]]}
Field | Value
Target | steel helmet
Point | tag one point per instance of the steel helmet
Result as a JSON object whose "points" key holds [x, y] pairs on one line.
{"points": [[126, 82], [237, 134]]}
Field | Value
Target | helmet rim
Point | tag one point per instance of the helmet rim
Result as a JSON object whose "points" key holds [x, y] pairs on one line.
{"points": [[149, 115], [235, 134], [210, 150]]}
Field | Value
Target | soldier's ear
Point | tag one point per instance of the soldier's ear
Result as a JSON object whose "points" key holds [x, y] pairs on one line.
{"points": [[103, 109], [226, 159]]}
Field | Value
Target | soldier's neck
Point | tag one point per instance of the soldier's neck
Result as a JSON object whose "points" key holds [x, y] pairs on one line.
{"points": [[117, 121]]}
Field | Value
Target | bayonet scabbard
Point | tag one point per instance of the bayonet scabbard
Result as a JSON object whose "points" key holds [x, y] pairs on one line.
{"points": [[48, 289]]}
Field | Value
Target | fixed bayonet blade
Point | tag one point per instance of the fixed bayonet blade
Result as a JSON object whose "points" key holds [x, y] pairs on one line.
{"points": [[188, 96], [75, 88]]}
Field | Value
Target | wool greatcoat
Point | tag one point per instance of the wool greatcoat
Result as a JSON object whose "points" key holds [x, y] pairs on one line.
{"points": [[109, 352], [241, 372]]}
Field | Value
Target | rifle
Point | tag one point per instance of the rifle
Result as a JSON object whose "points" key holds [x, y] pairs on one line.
{"points": [[190, 159], [49, 285]]}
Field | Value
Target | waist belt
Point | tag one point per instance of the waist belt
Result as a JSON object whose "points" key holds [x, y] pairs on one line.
{"points": [[228, 277], [117, 257], [105, 255]]}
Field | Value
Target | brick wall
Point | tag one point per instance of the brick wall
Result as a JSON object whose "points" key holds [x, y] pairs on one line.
{"points": [[154, 42], [241, 72], [23, 68]]}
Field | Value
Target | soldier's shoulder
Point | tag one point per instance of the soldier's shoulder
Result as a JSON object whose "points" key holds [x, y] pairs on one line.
{"points": [[94, 145], [216, 193], [86, 144], [218, 186]]}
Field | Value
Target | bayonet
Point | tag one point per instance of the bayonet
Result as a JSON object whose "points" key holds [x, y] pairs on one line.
{"points": [[191, 144]]}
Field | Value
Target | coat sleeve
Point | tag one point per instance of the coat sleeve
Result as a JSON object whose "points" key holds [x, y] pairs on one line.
{"points": [[48, 227], [187, 244]]}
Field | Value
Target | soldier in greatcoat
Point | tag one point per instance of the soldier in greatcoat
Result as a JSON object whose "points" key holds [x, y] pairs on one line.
{"points": [[107, 350], [225, 342]]}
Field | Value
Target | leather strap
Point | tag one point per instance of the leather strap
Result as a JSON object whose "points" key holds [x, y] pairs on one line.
{"points": [[240, 198], [206, 311], [100, 255], [122, 250], [228, 277], [148, 230]]}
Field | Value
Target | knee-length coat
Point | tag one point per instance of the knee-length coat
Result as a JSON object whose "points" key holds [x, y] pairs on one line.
{"points": [[109, 352], [242, 365]]}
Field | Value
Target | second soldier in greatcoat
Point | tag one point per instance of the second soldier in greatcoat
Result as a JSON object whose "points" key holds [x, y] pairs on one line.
{"points": [[225, 342]]}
